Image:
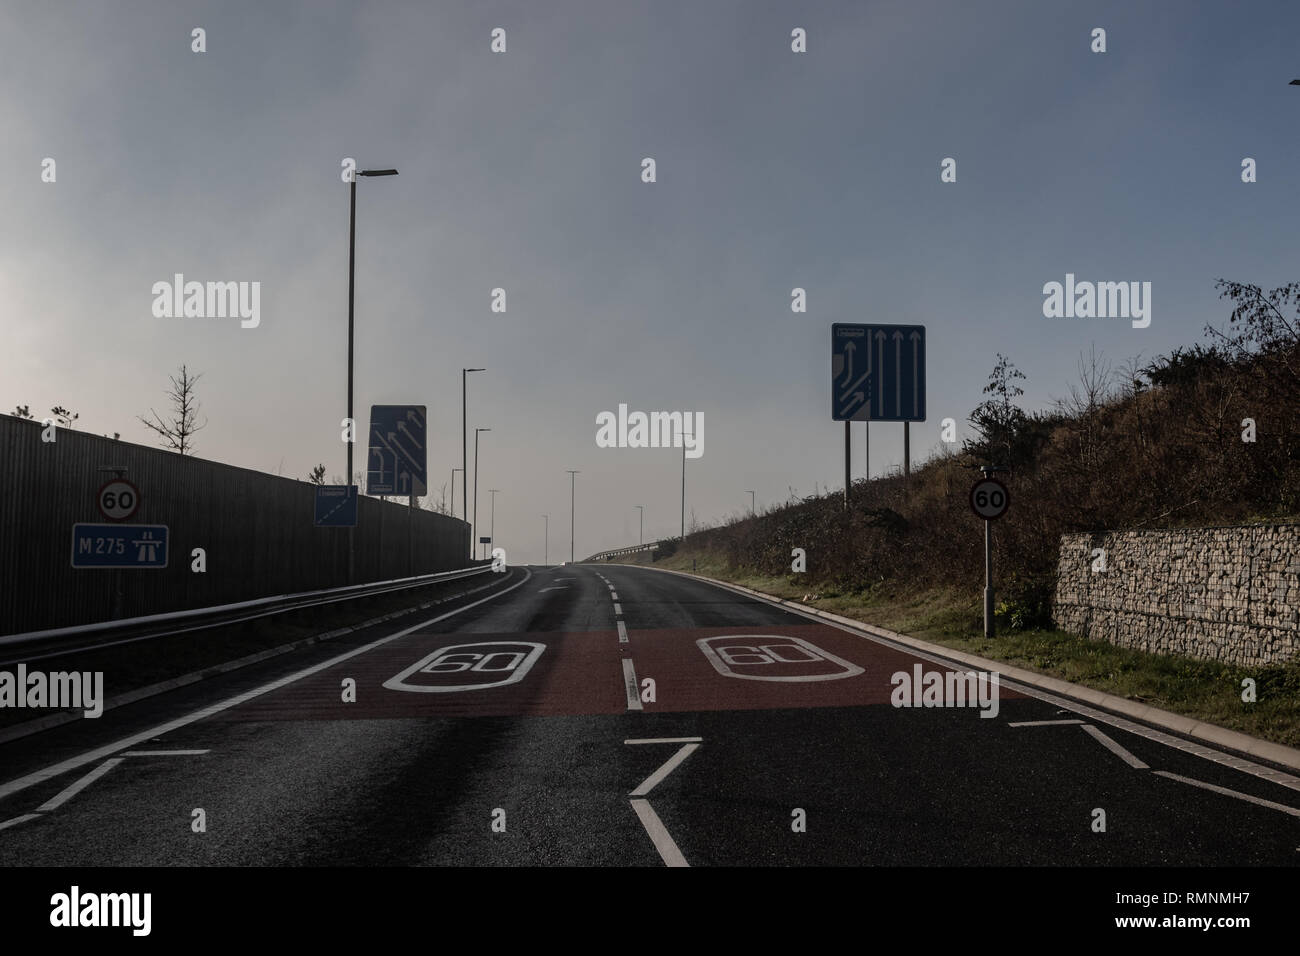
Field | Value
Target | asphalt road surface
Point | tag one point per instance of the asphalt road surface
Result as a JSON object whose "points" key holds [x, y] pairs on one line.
{"points": [[520, 726]]}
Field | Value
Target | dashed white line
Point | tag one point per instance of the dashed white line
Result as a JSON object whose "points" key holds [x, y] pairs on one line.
{"points": [[64, 796], [665, 740], [1115, 748], [1228, 793], [630, 685], [1042, 723], [17, 820], [618, 609], [165, 753], [622, 632], [658, 834], [671, 764]]}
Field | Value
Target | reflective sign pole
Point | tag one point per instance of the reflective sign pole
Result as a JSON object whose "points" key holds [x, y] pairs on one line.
{"points": [[847, 477]]}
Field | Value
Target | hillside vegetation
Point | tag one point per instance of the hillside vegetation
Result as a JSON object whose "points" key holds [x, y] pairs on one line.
{"points": [[1161, 445]]}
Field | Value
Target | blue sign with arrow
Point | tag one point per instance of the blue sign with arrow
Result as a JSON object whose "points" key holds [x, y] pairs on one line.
{"points": [[336, 506], [398, 462], [877, 373]]}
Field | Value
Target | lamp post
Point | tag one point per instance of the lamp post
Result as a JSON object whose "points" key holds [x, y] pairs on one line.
{"points": [[546, 540], [573, 481], [352, 270], [474, 526], [492, 533], [464, 453], [686, 435], [641, 537]]}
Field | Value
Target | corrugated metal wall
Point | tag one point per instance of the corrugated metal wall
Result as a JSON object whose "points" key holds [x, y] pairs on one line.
{"points": [[257, 531]]}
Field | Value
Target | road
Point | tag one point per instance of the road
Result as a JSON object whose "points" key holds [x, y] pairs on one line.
{"points": [[789, 755]]}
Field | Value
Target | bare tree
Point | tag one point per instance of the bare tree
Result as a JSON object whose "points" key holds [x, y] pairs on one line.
{"points": [[178, 430], [317, 476], [62, 417]]}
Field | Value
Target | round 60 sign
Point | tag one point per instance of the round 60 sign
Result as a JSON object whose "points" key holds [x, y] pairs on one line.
{"points": [[118, 499], [989, 498]]}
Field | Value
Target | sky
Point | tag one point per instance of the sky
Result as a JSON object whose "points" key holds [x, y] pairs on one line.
{"points": [[522, 170]]}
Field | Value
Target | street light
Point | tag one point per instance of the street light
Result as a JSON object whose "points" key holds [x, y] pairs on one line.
{"points": [[572, 498], [641, 536], [464, 453], [352, 270], [546, 540], [751, 504], [685, 436], [492, 534], [474, 525]]}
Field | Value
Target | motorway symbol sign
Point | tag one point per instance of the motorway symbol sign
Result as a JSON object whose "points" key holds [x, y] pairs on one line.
{"points": [[398, 460], [118, 499], [119, 546], [877, 373], [336, 506], [989, 499]]}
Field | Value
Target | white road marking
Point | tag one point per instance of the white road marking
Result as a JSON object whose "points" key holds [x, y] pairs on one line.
{"points": [[72, 763], [165, 753], [658, 833], [64, 796], [1115, 748], [618, 609], [622, 632], [819, 656], [438, 659], [1042, 723], [1061, 703], [630, 685], [17, 820], [1228, 793], [666, 740], [544, 590], [671, 764]]}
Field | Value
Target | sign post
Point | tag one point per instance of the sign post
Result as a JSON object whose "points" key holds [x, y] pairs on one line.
{"points": [[989, 500], [878, 375]]}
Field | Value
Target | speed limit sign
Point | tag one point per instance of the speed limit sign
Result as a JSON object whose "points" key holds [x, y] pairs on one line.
{"points": [[989, 498], [118, 500]]}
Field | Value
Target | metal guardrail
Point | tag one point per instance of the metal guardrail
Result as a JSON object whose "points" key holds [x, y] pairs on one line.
{"points": [[619, 552], [65, 640]]}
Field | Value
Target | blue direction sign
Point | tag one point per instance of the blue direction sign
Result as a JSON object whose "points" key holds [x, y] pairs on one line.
{"points": [[398, 461], [877, 373], [119, 546], [336, 506]]}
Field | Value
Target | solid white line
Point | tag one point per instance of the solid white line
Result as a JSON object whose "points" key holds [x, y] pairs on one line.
{"points": [[630, 685], [17, 820], [60, 799], [658, 833], [622, 632], [1042, 723], [1115, 748], [666, 740], [618, 609], [1228, 793], [669, 766], [72, 763], [165, 753]]}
